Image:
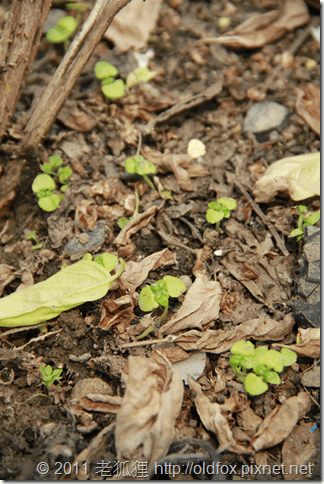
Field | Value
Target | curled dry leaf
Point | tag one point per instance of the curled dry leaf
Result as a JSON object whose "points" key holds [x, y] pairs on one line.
{"points": [[152, 401], [136, 273], [262, 29], [308, 104], [298, 175], [219, 341], [179, 164], [115, 312], [200, 306], [213, 419], [281, 421], [132, 26], [309, 343], [134, 225]]}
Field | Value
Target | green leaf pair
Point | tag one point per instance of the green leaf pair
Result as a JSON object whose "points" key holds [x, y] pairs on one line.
{"points": [[84, 281], [219, 210], [303, 222], [262, 361], [44, 184], [63, 30]]}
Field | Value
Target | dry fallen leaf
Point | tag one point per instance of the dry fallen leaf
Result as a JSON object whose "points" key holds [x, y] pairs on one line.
{"points": [[136, 273], [281, 421], [112, 312], [135, 225], [213, 419], [300, 449], [219, 341], [200, 306], [262, 29], [152, 402], [298, 175], [72, 117], [308, 105], [310, 343], [132, 26]]}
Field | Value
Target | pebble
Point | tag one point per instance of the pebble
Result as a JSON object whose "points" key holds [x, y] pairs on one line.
{"points": [[312, 378], [54, 15], [263, 117]]}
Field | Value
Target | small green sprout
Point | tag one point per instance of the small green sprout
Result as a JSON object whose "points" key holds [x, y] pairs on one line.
{"points": [[219, 210], [158, 294], [44, 184], [54, 162], [63, 31], [111, 88], [123, 220], [138, 164], [114, 89], [49, 375], [262, 361], [141, 74], [32, 236], [303, 222]]}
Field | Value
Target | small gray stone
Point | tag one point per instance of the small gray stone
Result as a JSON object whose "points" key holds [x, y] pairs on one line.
{"points": [[312, 378], [54, 15], [263, 117]]}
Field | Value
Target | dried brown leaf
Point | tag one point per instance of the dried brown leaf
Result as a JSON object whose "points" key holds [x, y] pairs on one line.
{"points": [[281, 421], [213, 419], [310, 343], [308, 104], [72, 117], [135, 273], [262, 29], [219, 341], [200, 306], [136, 224], [152, 401], [132, 26]]}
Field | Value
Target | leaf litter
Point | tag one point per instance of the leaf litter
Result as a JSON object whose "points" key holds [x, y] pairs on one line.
{"points": [[240, 285]]}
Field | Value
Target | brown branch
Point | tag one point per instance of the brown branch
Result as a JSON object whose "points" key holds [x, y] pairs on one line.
{"points": [[18, 47], [66, 75]]}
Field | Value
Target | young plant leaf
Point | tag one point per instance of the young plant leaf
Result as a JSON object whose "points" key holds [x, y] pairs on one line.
{"points": [[244, 348], [114, 90], [272, 377], [289, 357], [174, 286], [103, 70], [255, 385], [272, 359], [146, 299], [229, 203], [70, 287]]}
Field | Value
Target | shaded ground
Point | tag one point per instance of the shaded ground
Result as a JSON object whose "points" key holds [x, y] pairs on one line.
{"points": [[257, 277]]}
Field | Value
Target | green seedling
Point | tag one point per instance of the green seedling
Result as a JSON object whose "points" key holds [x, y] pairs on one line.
{"points": [[49, 375], [123, 221], [219, 210], [32, 236], [265, 363], [63, 31], [111, 88], [138, 164], [151, 297], [84, 281], [304, 221], [43, 185], [140, 74], [54, 162], [115, 88]]}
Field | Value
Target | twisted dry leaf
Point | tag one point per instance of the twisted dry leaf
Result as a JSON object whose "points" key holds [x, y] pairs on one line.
{"points": [[200, 306], [281, 421], [213, 419], [262, 29], [152, 401]]}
